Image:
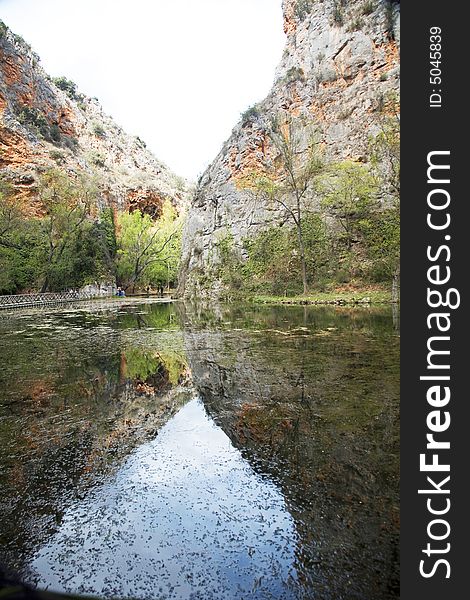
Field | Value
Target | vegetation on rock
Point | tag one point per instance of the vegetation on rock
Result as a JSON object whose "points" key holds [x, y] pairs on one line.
{"points": [[68, 86], [340, 224], [302, 8], [148, 251], [288, 181], [74, 243], [250, 114]]}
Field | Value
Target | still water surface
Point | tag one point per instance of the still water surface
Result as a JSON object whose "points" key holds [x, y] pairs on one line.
{"points": [[163, 451]]}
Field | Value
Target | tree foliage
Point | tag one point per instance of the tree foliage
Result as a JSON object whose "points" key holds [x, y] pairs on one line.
{"points": [[385, 148], [73, 242], [18, 239], [287, 181], [10, 215], [148, 251], [66, 247], [273, 264], [66, 228], [349, 194]]}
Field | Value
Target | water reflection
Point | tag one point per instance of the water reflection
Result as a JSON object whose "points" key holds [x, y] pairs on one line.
{"points": [[310, 397], [80, 388], [185, 517], [285, 472]]}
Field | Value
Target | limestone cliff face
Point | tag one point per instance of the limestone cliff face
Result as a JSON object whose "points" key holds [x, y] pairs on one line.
{"points": [[47, 123], [340, 61]]}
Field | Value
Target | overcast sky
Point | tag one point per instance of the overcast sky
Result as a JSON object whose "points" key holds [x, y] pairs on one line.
{"points": [[178, 73]]}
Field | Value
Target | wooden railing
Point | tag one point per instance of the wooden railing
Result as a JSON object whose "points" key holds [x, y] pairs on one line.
{"points": [[28, 300]]}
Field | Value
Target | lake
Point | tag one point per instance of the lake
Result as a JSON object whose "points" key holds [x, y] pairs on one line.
{"points": [[159, 451]]}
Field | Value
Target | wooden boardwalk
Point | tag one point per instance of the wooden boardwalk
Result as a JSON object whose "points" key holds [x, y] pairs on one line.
{"points": [[32, 300]]}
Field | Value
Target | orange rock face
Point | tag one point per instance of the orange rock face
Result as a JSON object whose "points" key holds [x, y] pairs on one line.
{"points": [[46, 124], [14, 150], [147, 201], [3, 105], [11, 67], [249, 159], [290, 23]]}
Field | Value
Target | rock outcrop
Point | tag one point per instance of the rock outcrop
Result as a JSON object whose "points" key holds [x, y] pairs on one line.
{"points": [[340, 62], [47, 123]]}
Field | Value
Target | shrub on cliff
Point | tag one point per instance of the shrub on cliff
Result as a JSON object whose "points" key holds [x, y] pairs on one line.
{"points": [[294, 74], [3, 29], [99, 130], [33, 120], [97, 159], [368, 7], [67, 86], [303, 8], [39, 125], [338, 13], [250, 114]]}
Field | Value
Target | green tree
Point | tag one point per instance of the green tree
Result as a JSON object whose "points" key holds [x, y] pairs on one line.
{"points": [[106, 226], [273, 263], [349, 193], [148, 250], [165, 271], [288, 180], [385, 148], [317, 247], [381, 233], [385, 157], [229, 268], [84, 259], [10, 215], [66, 203], [19, 238]]}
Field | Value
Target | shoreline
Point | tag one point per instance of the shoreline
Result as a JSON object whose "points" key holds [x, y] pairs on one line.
{"points": [[358, 298]]}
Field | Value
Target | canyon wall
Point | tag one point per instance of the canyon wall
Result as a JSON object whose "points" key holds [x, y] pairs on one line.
{"points": [[47, 123], [340, 64]]}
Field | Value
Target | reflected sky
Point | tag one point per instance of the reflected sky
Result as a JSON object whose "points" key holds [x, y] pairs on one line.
{"points": [[184, 517], [172, 451]]}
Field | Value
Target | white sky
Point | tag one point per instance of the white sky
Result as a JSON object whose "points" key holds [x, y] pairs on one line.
{"points": [[178, 73]]}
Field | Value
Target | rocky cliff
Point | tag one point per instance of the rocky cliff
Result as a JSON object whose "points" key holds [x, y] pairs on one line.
{"points": [[46, 123], [340, 62]]}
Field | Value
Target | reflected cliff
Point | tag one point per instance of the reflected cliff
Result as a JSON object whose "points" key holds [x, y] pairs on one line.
{"points": [[152, 450], [80, 389], [310, 397]]}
